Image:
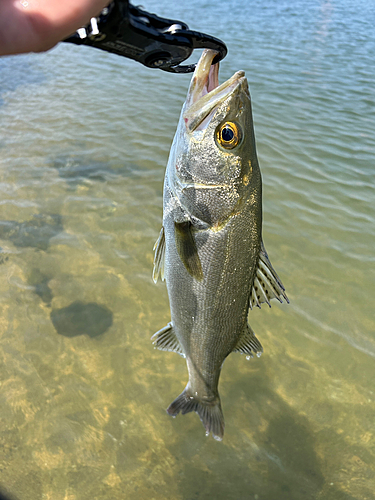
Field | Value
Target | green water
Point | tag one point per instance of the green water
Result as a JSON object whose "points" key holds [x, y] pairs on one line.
{"points": [[84, 141]]}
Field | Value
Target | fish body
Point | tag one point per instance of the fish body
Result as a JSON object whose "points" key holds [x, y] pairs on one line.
{"points": [[210, 249]]}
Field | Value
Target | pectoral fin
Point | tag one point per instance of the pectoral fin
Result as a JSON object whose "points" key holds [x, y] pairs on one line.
{"points": [[187, 249], [267, 285], [248, 343], [159, 257]]}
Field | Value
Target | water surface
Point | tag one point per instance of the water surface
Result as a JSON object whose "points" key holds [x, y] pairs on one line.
{"points": [[84, 141]]}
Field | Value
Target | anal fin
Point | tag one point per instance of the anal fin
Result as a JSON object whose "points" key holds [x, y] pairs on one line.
{"points": [[166, 340], [248, 343]]}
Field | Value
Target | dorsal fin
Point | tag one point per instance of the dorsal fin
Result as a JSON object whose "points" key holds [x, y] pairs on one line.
{"points": [[159, 257], [267, 285]]}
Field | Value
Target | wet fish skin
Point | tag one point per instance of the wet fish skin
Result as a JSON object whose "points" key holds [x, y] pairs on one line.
{"points": [[210, 245]]}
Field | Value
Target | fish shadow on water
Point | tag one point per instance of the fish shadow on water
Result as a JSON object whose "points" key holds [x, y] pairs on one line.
{"points": [[36, 232], [283, 462], [289, 446], [81, 318]]}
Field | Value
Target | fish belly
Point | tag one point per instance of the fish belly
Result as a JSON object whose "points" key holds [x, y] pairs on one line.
{"points": [[209, 315]]}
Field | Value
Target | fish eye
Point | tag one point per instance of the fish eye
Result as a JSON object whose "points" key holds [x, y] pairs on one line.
{"points": [[228, 135]]}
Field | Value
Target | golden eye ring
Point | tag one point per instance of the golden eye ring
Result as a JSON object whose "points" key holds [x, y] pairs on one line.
{"points": [[228, 135]]}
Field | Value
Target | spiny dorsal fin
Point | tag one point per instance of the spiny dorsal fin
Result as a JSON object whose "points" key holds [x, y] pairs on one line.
{"points": [[187, 249], [159, 257], [267, 285], [248, 343], [166, 340]]}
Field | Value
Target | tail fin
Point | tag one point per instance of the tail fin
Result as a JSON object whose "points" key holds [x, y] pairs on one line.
{"points": [[210, 413]]}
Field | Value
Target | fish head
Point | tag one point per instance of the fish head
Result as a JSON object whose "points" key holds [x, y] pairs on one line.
{"points": [[214, 164]]}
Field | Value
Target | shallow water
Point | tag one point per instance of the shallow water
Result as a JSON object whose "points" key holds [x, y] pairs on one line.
{"points": [[84, 141]]}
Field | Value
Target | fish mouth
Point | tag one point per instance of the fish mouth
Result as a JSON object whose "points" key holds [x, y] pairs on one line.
{"points": [[205, 93]]}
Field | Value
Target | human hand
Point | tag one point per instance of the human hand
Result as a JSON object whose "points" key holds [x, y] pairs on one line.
{"points": [[38, 25]]}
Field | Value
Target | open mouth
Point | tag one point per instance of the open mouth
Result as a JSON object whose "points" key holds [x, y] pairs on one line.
{"points": [[205, 78], [205, 93]]}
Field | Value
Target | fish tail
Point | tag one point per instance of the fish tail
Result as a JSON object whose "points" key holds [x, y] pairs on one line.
{"points": [[209, 412]]}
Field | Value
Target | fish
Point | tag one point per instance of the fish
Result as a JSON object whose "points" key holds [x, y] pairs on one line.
{"points": [[210, 250]]}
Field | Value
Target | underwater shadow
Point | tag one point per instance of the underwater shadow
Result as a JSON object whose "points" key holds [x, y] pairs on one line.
{"points": [[82, 319], [40, 282], [77, 171], [36, 232], [6, 496], [279, 460]]}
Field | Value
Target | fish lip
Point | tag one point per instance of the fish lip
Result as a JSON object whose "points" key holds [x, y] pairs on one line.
{"points": [[205, 77], [205, 93]]}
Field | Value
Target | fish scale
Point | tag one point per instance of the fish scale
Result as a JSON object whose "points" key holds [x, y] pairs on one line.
{"points": [[210, 251]]}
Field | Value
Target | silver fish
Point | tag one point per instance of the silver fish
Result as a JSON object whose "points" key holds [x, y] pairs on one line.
{"points": [[210, 250]]}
